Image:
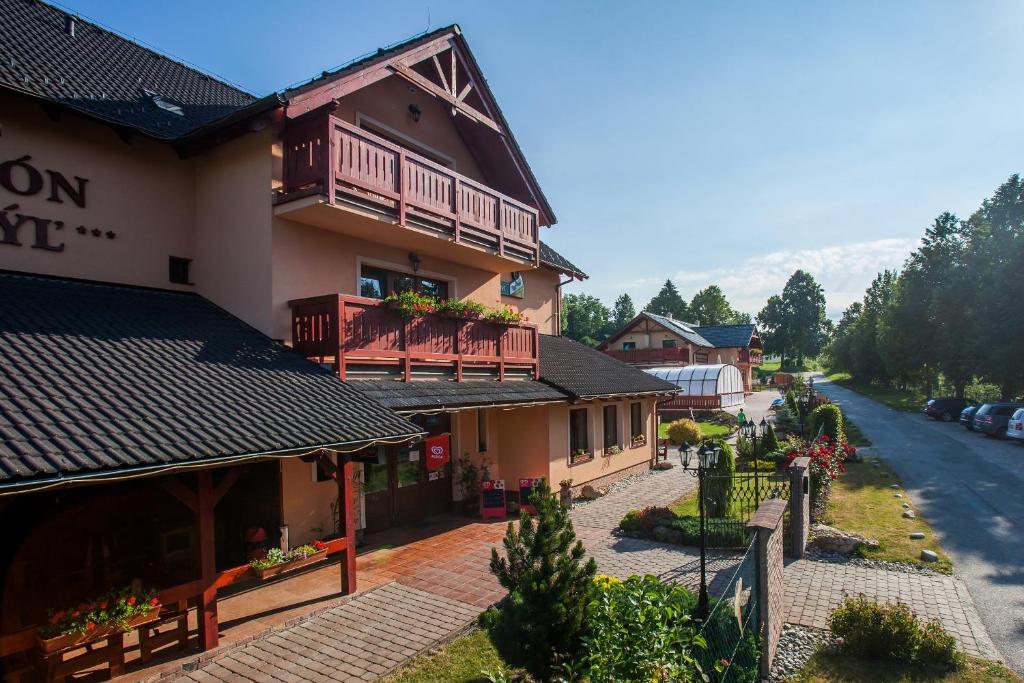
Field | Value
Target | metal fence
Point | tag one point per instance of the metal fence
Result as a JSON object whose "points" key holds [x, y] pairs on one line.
{"points": [[731, 500], [732, 629]]}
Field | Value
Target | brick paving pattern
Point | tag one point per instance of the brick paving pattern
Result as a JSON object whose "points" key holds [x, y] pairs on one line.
{"points": [[814, 589], [659, 488], [362, 639]]}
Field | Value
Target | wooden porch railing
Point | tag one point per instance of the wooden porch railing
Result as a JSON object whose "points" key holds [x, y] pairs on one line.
{"points": [[652, 356], [349, 163], [752, 356], [700, 402], [356, 330]]}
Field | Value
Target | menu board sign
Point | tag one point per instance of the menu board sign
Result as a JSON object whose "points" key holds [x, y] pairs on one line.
{"points": [[492, 499]]}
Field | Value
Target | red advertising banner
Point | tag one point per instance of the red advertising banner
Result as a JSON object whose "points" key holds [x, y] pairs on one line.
{"points": [[438, 451]]}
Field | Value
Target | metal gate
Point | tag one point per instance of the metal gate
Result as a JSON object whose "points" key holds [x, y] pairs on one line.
{"points": [[731, 500]]}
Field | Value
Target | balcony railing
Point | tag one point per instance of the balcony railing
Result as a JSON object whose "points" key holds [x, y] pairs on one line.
{"points": [[350, 330], [752, 356], [353, 166], [652, 356]]}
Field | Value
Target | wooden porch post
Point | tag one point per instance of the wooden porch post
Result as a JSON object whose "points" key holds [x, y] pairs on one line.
{"points": [[207, 608], [347, 522]]}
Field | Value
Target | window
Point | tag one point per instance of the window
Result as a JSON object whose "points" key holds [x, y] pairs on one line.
{"points": [[319, 473], [578, 437], [636, 420], [700, 357], [611, 426], [629, 346], [668, 343], [377, 283], [481, 431], [178, 270]]}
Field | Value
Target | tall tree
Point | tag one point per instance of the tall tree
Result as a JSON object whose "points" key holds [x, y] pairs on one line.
{"points": [[710, 307], [795, 322], [623, 311], [668, 302], [585, 318]]}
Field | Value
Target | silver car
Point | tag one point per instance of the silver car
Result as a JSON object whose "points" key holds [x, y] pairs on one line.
{"points": [[1015, 427]]}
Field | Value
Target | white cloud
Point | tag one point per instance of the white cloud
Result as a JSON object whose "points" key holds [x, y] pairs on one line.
{"points": [[844, 271]]}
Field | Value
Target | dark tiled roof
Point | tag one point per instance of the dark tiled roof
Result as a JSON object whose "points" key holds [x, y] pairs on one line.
{"points": [[584, 372], [550, 257], [726, 336], [445, 394], [100, 377], [105, 75], [684, 330]]}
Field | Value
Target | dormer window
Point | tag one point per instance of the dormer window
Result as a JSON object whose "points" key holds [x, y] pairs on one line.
{"points": [[164, 103]]}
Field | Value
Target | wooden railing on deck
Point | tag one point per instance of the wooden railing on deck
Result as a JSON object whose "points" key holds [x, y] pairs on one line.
{"points": [[356, 330], [347, 162], [652, 356]]}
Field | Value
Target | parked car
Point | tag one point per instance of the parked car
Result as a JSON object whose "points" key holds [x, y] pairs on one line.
{"points": [[945, 408], [993, 418], [967, 417], [1015, 428]]}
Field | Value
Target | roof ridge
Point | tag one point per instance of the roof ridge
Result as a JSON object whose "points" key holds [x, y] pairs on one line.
{"points": [[145, 46]]}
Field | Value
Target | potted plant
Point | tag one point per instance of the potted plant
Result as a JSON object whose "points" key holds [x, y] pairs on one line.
{"points": [[411, 304], [638, 440], [505, 316], [453, 308], [117, 611], [469, 482], [613, 450], [279, 561]]}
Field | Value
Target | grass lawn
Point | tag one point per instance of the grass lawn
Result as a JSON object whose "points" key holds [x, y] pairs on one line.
{"points": [[826, 668], [461, 661], [853, 433], [770, 365], [740, 508], [708, 428], [909, 401], [862, 502]]}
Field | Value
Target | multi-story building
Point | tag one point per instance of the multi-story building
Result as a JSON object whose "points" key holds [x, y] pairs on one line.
{"points": [[166, 237], [651, 340]]}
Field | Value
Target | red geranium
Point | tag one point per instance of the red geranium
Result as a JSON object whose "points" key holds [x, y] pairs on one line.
{"points": [[132, 600], [154, 602]]}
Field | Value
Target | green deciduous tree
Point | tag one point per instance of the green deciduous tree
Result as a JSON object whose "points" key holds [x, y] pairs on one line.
{"points": [[794, 322], [710, 307], [623, 311], [585, 318]]}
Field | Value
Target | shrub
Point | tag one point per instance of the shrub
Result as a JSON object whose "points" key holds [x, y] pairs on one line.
{"points": [[548, 581], [791, 404], [826, 464], [721, 533], [639, 629], [642, 522], [684, 431], [745, 448], [892, 632], [718, 489], [829, 416], [769, 442]]}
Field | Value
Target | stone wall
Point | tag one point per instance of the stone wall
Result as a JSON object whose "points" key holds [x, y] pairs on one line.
{"points": [[800, 505], [767, 525]]}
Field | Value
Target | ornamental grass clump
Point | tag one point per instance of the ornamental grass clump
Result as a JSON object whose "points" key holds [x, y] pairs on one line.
{"points": [[684, 431], [540, 624]]}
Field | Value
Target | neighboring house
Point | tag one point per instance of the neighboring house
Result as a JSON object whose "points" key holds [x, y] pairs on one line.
{"points": [[166, 237], [651, 340]]}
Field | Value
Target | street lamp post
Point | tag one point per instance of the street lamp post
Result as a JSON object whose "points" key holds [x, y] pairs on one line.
{"points": [[707, 459]]}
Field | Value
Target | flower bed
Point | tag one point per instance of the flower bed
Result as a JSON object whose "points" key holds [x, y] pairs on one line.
{"points": [[278, 561], [118, 611], [826, 465]]}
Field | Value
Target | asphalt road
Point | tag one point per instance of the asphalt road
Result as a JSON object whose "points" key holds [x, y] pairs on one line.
{"points": [[971, 490]]}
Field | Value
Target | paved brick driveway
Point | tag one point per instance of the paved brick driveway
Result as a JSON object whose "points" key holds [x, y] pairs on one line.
{"points": [[424, 591]]}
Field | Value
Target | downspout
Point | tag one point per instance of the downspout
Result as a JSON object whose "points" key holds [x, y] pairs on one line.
{"points": [[558, 311]]}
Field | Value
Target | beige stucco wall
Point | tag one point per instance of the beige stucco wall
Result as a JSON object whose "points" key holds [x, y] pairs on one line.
{"points": [[305, 502], [141, 191], [233, 228], [539, 302]]}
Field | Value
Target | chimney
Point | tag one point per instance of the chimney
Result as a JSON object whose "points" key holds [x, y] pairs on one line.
{"points": [[669, 315], [69, 25]]}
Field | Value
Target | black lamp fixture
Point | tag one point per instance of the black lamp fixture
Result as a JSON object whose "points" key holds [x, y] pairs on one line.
{"points": [[415, 112], [706, 460], [414, 261]]}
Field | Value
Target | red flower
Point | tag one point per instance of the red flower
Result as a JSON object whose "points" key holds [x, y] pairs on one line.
{"points": [[90, 626], [154, 602], [54, 618], [103, 604], [132, 600], [76, 613], [59, 615]]}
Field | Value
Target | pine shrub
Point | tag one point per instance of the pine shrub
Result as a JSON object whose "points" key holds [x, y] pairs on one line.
{"points": [[770, 442], [540, 623]]}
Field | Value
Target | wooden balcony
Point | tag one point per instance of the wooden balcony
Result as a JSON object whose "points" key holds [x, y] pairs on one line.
{"points": [[352, 331], [356, 169], [679, 356], [752, 356]]}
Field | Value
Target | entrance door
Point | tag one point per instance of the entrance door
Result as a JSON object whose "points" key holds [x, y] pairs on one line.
{"points": [[398, 489]]}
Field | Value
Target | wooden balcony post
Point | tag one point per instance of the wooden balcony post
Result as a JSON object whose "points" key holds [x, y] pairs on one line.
{"points": [[501, 354], [458, 208], [400, 175], [501, 226], [339, 334], [406, 334], [207, 608], [347, 522]]}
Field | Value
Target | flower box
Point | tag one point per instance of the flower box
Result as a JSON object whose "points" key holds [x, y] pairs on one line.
{"points": [[265, 573], [638, 441], [49, 646]]}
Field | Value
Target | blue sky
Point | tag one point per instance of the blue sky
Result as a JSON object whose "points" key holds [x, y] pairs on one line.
{"points": [[706, 142]]}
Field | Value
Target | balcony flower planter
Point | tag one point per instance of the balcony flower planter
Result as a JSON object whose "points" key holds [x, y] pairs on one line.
{"points": [[48, 646], [278, 562], [638, 441], [580, 457]]}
